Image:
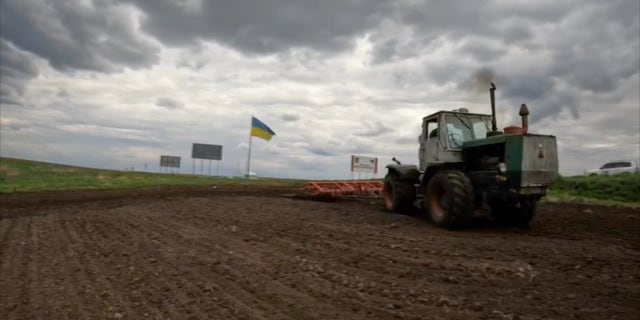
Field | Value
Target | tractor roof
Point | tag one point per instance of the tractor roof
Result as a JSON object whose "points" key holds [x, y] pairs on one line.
{"points": [[458, 113]]}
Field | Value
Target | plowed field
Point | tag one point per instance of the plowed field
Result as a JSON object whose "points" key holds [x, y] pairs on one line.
{"points": [[202, 253]]}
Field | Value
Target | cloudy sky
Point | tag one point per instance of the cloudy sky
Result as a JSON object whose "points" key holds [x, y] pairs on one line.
{"points": [[115, 84]]}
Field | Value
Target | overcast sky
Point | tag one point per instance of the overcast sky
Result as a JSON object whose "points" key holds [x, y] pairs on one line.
{"points": [[115, 84]]}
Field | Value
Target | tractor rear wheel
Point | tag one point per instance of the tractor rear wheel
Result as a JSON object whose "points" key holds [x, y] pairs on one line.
{"points": [[398, 195], [449, 199]]}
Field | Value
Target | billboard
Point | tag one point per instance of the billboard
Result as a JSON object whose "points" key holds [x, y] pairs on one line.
{"points": [[364, 164], [206, 151], [170, 161]]}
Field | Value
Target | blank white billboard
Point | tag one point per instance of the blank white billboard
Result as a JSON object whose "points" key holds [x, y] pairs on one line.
{"points": [[364, 164]]}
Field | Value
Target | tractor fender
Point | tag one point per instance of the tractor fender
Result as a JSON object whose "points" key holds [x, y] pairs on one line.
{"points": [[405, 172], [433, 170]]}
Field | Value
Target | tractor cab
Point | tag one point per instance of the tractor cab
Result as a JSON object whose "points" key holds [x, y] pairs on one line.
{"points": [[444, 132]]}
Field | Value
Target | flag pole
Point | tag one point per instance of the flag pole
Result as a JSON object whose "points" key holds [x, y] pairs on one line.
{"points": [[249, 156]]}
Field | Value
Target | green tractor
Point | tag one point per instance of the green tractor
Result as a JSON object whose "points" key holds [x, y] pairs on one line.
{"points": [[468, 168]]}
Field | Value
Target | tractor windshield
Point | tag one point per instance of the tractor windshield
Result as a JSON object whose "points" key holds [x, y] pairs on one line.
{"points": [[461, 128]]}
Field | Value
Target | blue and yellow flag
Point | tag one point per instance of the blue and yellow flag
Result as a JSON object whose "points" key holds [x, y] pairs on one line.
{"points": [[261, 130]]}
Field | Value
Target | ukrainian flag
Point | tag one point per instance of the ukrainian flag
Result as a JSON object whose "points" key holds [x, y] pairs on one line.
{"points": [[261, 130]]}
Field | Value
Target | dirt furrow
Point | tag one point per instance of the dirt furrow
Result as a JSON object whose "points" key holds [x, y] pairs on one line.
{"points": [[236, 264], [115, 301], [75, 275], [209, 270], [6, 226], [334, 280], [169, 250], [143, 277], [100, 250], [34, 277], [264, 259], [12, 272], [245, 256]]}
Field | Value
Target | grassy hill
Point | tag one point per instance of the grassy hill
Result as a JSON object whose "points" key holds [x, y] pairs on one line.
{"points": [[24, 176], [617, 189]]}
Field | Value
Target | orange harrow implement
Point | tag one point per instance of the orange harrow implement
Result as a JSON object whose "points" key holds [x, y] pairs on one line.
{"points": [[340, 189]]}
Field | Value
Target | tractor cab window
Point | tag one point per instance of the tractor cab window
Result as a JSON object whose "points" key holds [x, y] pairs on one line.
{"points": [[461, 128], [432, 129]]}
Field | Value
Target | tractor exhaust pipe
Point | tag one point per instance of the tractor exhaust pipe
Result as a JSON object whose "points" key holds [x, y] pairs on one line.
{"points": [[524, 113], [494, 126]]}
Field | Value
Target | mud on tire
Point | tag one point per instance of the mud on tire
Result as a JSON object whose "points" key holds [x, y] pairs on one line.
{"points": [[449, 199], [398, 195]]}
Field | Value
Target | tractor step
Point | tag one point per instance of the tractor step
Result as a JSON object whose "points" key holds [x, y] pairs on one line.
{"points": [[342, 189]]}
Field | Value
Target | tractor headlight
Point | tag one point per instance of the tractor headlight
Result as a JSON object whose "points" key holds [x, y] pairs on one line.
{"points": [[502, 167]]}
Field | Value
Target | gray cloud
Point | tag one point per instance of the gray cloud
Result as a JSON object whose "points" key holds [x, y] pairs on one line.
{"points": [[169, 103], [320, 152], [98, 35], [407, 140], [373, 130], [290, 116], [482, 50], [16, 69], [386, 51], [63, 93], [266, 26], [528, 88]]}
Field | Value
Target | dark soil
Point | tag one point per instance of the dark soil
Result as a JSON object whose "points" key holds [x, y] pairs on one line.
{"points": [[249, 253]]}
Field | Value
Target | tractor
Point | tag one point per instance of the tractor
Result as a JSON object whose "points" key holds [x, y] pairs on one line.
{"points": [[467, 168]]}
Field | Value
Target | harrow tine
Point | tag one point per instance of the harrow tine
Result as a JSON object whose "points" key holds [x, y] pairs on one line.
{"points": [[342, 189]]}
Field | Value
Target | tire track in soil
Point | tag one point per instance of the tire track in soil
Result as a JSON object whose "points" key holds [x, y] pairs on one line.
{"points": [[5, 232], [40, 289], [149, 247], [450, 268], [332, 279], [401, 261], [26, 262], [74, 273], [52, 281], [93, 273], [438, 271], [13, 257], [234, 296], [130, 272], [483, 278], [368, 284], [94, 241], [250, 257], [501, 266], [33, 280], [287, 295], [269, 255]]}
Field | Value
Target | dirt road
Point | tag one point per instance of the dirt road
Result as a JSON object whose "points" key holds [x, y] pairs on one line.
{"points": [[202, 253]]}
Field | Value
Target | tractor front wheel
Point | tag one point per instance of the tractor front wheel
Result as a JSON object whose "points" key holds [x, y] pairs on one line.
{"points": [[449, 199], [398, 195]]}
